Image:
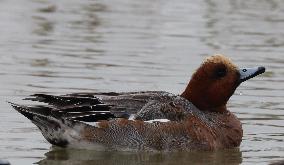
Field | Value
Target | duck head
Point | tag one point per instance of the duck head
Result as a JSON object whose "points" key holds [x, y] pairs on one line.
{"points": [[215, 81]]}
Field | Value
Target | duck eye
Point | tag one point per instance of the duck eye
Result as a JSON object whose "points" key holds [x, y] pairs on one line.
{"points": [[221, 72]]}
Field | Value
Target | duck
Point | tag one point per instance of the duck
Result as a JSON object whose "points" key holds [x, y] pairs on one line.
{"points": [[196, 119]]}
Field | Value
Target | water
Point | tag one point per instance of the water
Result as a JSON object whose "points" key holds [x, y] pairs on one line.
{"points": [[66, 46]]}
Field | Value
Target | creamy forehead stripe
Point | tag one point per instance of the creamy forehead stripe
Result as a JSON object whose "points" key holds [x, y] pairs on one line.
{"points": [[219, 58]]}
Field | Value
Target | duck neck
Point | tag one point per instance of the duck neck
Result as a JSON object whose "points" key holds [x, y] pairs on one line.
{"points": [[201, 100]]}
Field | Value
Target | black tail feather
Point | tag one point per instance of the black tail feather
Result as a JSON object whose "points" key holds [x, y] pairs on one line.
{"points": [[80, 113], [23, 111], [76, 107], [66, 100], [93, 117], [30, 112], [92, 108]]}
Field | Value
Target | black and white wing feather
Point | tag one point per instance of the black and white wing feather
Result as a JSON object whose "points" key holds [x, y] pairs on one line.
{"points": [[92, 107]]}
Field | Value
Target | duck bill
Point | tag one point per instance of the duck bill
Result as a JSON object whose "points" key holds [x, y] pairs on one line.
{"points": [[248, 73]]}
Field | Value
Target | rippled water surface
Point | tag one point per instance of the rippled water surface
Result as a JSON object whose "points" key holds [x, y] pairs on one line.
{"points": [[65, 46]]}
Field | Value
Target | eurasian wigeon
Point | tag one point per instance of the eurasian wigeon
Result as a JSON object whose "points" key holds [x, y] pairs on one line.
{"points": [[198, 119]]}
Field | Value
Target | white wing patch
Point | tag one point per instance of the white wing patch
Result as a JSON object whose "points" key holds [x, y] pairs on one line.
{"points": [[157, 120], [94, 124], [132, 117]]}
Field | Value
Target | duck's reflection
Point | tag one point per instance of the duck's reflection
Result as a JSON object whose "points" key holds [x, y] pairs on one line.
{"points": [[72, 156]]}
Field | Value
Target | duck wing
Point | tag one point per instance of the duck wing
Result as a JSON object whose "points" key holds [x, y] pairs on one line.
{"points": [[92, 107]]}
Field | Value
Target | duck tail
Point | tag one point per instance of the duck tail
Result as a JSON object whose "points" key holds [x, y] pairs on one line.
{"points": [[51, 128], [31, 111]]}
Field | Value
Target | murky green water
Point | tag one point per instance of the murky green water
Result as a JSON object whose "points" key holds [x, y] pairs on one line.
{"points": [[68, 46]]}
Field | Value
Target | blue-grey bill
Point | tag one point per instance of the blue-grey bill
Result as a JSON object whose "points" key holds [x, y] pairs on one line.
{"points": [[248, 73]]}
